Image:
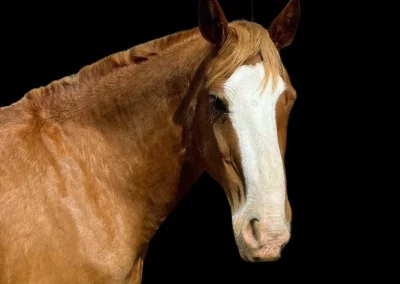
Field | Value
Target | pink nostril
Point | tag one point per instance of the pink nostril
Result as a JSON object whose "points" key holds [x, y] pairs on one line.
{"points": [[251, 233], [255, 228], [256, 235]]}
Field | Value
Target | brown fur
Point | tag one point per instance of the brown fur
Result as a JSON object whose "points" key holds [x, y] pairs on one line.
{"points": [[92, 164]]}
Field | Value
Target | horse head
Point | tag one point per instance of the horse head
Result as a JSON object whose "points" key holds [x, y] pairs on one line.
{"points": [[239, 134]]}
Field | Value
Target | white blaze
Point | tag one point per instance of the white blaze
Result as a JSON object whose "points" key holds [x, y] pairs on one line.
{"points": [[253, 117]]}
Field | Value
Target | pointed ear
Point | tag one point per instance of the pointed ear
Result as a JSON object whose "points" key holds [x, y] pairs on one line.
{"points": [[284, 27], [212, 22]]}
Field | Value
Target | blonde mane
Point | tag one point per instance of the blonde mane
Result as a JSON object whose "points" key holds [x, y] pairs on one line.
{"points": [[246, 40]]}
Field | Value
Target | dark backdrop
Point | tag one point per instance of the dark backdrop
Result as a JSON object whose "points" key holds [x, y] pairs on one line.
{"points": [[44, 42]]}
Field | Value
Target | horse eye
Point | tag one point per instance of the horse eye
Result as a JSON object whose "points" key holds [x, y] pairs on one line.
{"points": [[218, 104]]}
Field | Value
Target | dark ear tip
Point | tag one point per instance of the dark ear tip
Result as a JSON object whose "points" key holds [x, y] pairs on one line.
{"points": [[295, 5], [284, 27], [212, 22]]}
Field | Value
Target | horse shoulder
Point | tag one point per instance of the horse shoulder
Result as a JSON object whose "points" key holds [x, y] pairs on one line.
{"points": [[56, 214]]}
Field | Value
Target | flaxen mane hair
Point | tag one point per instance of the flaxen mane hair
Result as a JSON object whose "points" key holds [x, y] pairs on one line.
{"points": [[246, 39]]}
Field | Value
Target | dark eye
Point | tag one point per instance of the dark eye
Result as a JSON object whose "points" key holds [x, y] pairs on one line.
{"points": [[218, 104]]}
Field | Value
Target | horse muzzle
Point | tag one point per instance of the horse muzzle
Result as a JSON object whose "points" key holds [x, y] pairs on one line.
{"points": [[261, 240]]}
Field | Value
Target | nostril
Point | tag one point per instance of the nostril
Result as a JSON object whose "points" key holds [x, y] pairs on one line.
{"points": [[254, 224]]}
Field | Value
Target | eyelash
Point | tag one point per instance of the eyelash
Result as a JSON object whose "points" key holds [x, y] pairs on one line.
{"points": [[218, 105]]}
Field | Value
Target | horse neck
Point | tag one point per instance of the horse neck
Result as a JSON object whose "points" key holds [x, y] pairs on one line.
{"points": [[133, 121]]}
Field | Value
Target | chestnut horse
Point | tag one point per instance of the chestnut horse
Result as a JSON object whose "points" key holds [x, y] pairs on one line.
{"points": [[93, 163]]}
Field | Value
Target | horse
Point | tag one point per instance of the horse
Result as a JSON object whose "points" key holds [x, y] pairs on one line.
{"points": [[92, 164]]}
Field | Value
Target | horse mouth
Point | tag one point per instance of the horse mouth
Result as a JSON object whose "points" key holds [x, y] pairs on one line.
{"points": [[265, 253]]}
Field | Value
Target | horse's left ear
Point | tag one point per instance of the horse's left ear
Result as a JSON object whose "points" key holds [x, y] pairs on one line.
{"points": [[284, 27], [212, 22]]}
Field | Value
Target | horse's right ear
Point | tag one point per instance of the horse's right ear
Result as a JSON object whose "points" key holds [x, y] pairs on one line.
{"points": [[212, 22]]}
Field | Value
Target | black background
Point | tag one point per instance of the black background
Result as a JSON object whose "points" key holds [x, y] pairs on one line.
{"points": [[44, 42]]}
